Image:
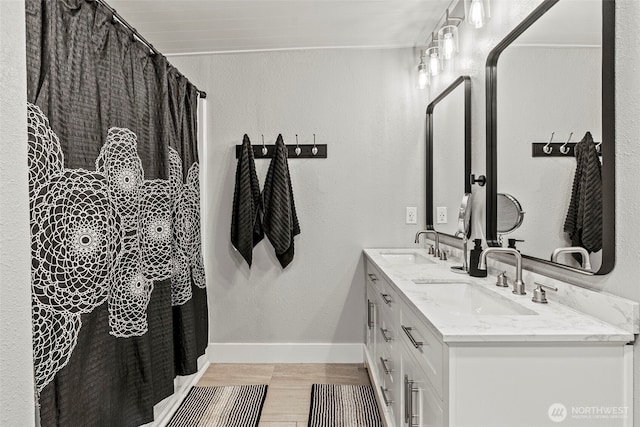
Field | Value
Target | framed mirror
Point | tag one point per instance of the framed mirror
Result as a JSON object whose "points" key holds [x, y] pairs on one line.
{"points": [[448, 155], [551, 134]]}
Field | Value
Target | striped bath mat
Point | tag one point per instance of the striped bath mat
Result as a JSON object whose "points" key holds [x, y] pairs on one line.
{"points": [[228, 406], [343, 406]]}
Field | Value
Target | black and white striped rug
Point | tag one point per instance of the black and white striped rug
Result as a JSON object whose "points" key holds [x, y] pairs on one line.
{"points": [[343, 406], [227, 406]]}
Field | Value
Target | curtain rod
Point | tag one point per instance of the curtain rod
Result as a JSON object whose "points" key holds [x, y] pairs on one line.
{"points": [[202, 94]]}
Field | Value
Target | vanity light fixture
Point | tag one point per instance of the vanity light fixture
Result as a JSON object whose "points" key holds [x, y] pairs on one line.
{"points": [[448, 37], [433, 55], [477, 12], [423, 75], [434, 60]]}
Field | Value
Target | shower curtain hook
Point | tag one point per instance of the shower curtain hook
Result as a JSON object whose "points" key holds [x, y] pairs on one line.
{"points": [[563, 148], [314, 150], [548, 148], [298, 150], [264, 147]]}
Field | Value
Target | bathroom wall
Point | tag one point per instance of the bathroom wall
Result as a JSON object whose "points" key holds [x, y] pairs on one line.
{"points": [[364, 104], [16, 363], [474, 48]]}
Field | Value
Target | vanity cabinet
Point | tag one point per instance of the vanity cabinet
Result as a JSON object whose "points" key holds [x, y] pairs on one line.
{"points": [[382, 341], [424, 378]]}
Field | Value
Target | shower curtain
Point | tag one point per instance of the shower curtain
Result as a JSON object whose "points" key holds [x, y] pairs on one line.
{"points": [[118, 287]]}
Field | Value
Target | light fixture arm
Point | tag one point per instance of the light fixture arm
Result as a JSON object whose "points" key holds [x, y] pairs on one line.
{"points": [[456, 20]]}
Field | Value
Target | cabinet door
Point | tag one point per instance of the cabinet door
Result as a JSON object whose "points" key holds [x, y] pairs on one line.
{"points": [[420, 405]]}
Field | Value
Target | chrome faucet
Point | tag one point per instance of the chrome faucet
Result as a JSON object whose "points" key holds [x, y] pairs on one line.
{"points": [[436, 238], [586, 263], [518, 285]]}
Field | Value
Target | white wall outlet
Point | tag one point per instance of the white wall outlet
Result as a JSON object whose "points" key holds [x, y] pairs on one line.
{"points": [[412, 215], [441, 212]]}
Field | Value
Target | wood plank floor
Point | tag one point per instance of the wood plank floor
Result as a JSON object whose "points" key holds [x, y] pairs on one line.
{"points": [[289, 392]]}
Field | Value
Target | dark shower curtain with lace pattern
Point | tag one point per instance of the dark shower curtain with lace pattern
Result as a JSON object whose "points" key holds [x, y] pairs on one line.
{"points": [[118, 287]]}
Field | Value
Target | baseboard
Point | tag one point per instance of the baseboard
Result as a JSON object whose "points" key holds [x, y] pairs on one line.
{"points": [[285, 353], [165, 409]]}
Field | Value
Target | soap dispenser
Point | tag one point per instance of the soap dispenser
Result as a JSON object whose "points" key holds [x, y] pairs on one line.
{"points": [[474, 259]]}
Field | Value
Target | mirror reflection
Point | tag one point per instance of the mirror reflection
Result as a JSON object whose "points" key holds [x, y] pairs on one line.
{"points": [[550, 85], [448, 136]]}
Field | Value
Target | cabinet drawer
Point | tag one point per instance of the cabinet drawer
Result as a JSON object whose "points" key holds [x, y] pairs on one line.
{"points": [[388, 366], [386, 292], [390, 398], [388, 332], [424, 346], [373, 274]]}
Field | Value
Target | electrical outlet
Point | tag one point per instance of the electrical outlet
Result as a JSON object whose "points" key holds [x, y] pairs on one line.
{"points": [[441, 213], [412, 215]]}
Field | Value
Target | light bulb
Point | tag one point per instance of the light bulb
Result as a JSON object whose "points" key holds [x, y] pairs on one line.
{"points": [[423, 77], [434, 64], [448, 47], [476, 13]]}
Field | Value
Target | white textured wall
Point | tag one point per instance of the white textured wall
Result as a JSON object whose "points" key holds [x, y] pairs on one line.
{"points": [[362, 103], [16, 363], [624, 280]]}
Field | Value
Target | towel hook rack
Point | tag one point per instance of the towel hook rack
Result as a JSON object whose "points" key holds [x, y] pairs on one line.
{"points": [[264, 147], [294, 151], [548, 148], [298, 150], [563, 148]]}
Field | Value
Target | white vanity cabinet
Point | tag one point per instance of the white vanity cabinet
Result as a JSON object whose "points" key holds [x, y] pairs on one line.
{"points": [[382, 341], [424, 377]]}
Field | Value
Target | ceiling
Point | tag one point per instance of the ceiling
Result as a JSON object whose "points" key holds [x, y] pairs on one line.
{"points": [[212, 26]]}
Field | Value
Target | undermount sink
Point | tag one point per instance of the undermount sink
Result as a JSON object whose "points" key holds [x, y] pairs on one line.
{"points": [[467, 299], [409, 257]]}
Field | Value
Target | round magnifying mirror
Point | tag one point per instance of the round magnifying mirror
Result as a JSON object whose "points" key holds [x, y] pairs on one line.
{"points": [[510, 213]]}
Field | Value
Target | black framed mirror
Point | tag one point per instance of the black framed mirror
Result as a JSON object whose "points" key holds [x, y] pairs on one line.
{"points": [[448, 155], [555, 79]]}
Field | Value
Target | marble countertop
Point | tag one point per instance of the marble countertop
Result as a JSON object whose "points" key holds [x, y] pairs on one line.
{"points": [[552, 322]]}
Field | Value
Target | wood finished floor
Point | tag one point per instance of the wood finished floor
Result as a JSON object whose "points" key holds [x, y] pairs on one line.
{"points": [[289, 391]]}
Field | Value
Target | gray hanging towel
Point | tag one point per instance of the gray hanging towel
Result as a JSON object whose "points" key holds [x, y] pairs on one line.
{"points": [[584, 216], [246, 218], [280, 219]]}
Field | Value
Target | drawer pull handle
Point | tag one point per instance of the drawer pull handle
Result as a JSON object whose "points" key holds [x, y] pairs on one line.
{"points": [[373, 277], [409, 390], [386, 299], [407, 330], [386, 337], [370, 307], [384, 391], [386, 369]]}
